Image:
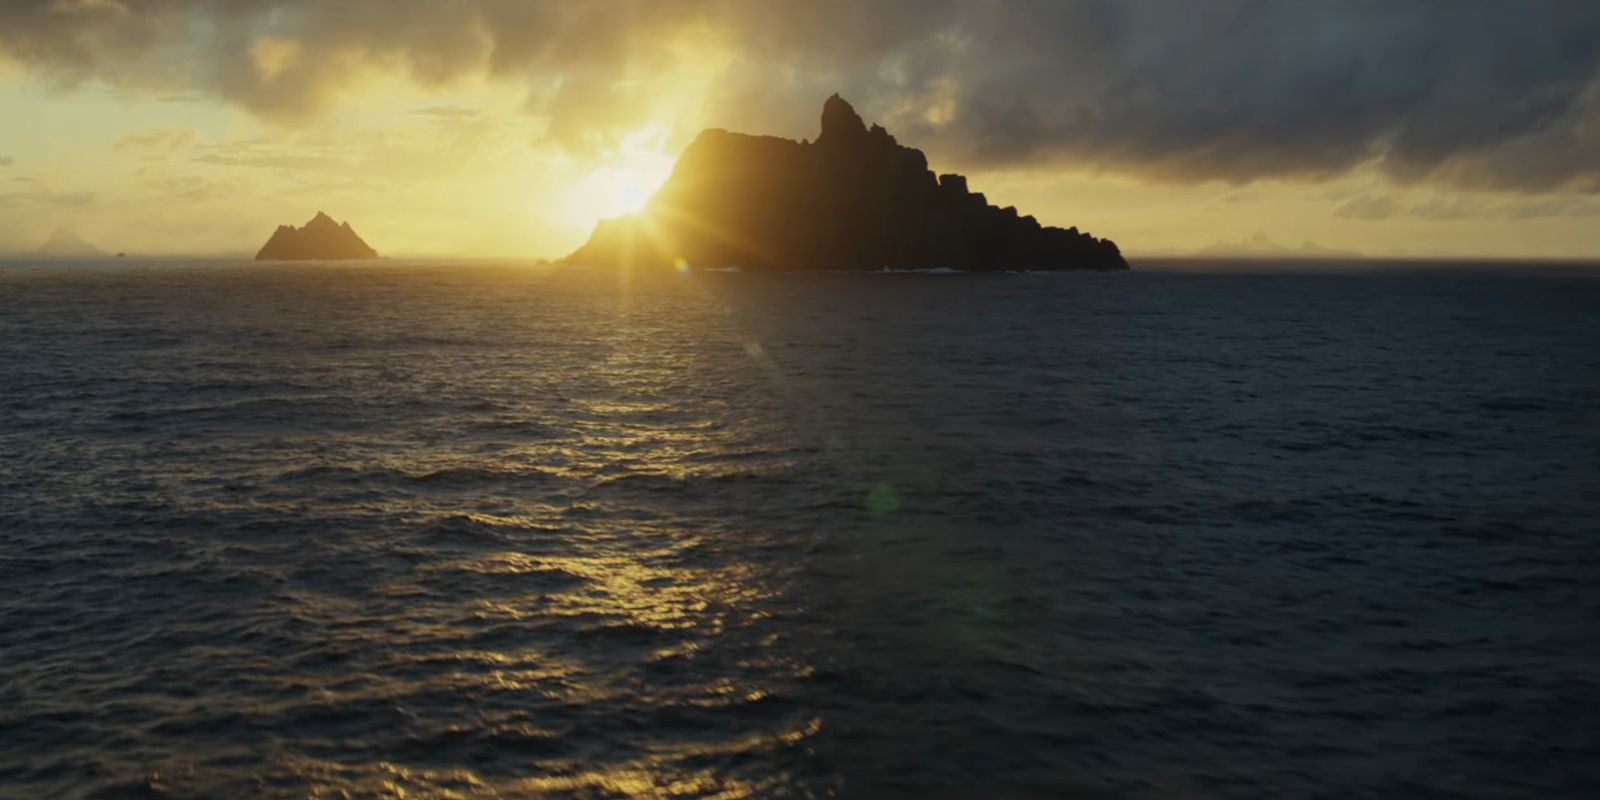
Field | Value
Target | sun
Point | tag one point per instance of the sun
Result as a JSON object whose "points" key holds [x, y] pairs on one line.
{"points": [[618, 190], [622, 181]]}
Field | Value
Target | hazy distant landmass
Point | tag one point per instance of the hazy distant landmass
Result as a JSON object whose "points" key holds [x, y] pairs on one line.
{"points": [[66, 244], [321, 239], [1260, 246], [854, 199]]}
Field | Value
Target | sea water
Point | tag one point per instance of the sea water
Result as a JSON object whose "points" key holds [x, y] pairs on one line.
{"points": [[479, 530]]}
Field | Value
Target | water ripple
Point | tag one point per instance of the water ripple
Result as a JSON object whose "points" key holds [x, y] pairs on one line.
{"points": [[404, 530]]}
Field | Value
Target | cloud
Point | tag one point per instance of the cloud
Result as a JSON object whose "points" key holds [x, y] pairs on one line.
{"points": [[1484, 94], [1554, 207], [6, 161], [191, 188], [1448, 210], [1459, 207], [156, 145], [447, 112], [37, 196], [270, 161], [1368, 208]]}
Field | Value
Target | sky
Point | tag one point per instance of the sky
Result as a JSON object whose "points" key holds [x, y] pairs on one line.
{"points": [[501, 128]]}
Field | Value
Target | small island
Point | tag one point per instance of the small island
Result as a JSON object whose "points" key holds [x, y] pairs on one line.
{"points": [[66, 244], [855, 199], [321, 239]]}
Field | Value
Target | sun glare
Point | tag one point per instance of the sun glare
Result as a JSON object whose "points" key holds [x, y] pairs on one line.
{"points": [[623, 182], [619, 190]]}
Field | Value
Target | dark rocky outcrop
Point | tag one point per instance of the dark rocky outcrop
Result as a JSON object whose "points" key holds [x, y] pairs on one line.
{"points": [[853, 199], [320, 239]]}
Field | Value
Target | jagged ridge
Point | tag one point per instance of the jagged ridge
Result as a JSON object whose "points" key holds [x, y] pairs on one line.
{"points": [[853, 199], [320, 239]]}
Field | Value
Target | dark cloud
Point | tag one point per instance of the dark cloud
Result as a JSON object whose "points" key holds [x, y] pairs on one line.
{"points": [[1368, 209], [1466, 207], [6, 161], [1451, 210], [1478, 93]]}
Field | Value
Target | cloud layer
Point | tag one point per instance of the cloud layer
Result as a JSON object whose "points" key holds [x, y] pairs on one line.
{"points": [[1477, 93]]}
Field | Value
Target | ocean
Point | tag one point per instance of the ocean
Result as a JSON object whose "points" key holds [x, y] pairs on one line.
{"points": [[488, 530]]}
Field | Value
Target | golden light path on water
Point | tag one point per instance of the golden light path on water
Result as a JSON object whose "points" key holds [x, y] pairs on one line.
{"points": [[559, 597], [633, 581]]}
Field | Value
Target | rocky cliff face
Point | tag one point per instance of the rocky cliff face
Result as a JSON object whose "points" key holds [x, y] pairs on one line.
{"points": [[853, 199], [320, 239]]}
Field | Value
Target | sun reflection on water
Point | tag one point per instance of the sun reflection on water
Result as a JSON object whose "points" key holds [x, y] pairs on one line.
{"points": [[536, 567], [591, 605]]}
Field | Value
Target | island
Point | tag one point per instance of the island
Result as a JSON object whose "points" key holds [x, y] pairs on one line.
{"points": [[321, 239], [66, 244], [854, 199]]}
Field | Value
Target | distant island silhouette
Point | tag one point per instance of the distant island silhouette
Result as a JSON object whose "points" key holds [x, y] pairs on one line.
{"points": [[64, 243], [321, 239], [854, 199]]}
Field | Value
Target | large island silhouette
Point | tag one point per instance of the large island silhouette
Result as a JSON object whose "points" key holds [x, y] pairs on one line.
{"points": [[855, 199], [320, 239]]}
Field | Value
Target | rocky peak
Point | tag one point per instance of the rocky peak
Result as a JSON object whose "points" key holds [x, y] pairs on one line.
{"points": [[321, 238], [840, 122], [321, 220]]}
